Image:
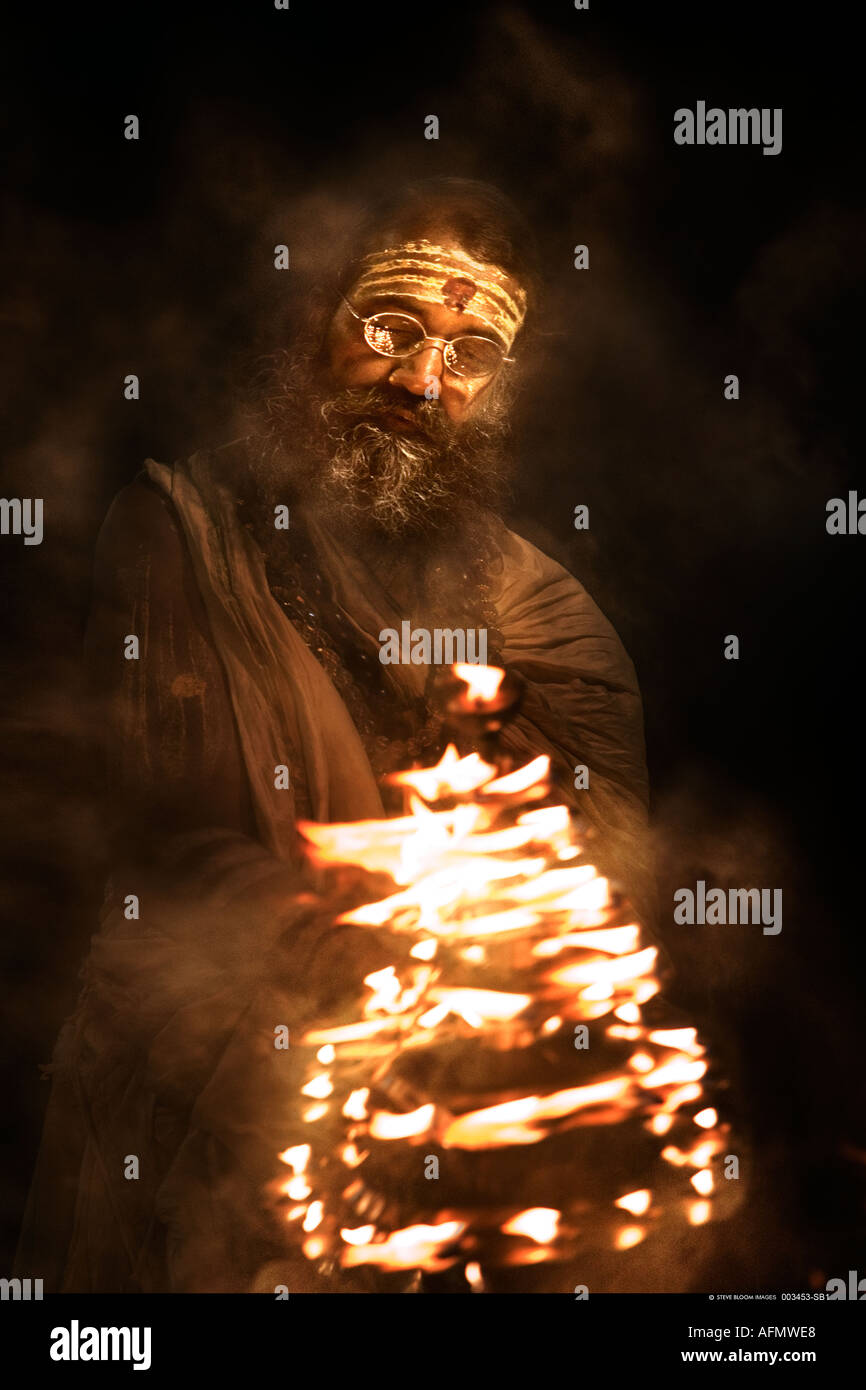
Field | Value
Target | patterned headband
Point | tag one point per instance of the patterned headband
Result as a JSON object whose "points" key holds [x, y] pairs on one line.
{"points": [[445, 276]]}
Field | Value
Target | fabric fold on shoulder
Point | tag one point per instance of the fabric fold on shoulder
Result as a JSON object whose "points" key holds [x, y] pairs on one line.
{"points": [[285, 705]]}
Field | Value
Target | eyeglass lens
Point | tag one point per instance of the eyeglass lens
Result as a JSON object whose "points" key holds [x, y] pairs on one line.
{"points": [[396, 335]]}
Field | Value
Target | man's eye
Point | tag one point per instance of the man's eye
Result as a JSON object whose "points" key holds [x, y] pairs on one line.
{"points": [[393, 336], [476, 356]]}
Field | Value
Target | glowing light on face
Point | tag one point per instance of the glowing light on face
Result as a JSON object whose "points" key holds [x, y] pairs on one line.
{"points": [[445, 275]]}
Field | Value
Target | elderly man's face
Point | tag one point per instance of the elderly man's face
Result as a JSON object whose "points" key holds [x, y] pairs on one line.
{"points": [[366, 439], [352, 363]]}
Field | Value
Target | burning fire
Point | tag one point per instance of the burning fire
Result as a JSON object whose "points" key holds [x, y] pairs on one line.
{"points": [[509, 1023]]}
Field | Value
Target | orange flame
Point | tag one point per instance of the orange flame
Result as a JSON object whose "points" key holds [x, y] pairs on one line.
{"points": [[483, 682], [507, 937]]}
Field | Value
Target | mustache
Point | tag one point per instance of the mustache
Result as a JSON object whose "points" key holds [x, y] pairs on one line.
{"points": [[338, 449], [374, 405]]}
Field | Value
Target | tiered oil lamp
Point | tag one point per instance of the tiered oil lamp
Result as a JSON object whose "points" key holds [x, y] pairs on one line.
{"points": [[499, 1103]]}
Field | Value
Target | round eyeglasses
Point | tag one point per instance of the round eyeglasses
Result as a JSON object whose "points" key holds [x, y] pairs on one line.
{"points": [[400, 335]]}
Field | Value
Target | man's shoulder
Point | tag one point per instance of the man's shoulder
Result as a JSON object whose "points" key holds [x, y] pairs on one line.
{"points": [[521, 558], [525, 575], [144, 514], [139, 518], [543, 608]]}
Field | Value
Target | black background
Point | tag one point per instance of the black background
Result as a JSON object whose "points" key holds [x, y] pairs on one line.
{"points": [[707, 516]]}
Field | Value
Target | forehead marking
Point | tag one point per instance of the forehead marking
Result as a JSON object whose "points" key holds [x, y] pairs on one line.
{"points": [[457, 292]]}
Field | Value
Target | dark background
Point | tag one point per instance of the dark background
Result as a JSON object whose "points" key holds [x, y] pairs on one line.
{"points": [[707, 516]]}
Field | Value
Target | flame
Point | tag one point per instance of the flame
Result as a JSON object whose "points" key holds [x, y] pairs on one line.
{"points": [[313, 1218], [387, 1126], [356, 1106], [680, 1069], [616, 941], [641, 1062], [538, 1223], [683, 1039], [504, 936], [707, 1118], [483, 682], [314, 1112], [629, 1236], [362, 1235], [482, 1003], [296, 1157], [424, 950], [522, 780], [629, 1013], [351, 1156], [451, 774], [320, 1087], [702, 1181], [606, 971], [412, 1248], [433, 1017], [660, 1124], [636, 1202], [703, 1154], [519, 1121]]}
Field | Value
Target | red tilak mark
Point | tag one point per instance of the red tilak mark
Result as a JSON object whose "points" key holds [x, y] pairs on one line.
{"points": [[457, 292]]}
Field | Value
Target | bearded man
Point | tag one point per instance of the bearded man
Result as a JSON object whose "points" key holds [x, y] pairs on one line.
{"points": [[238, 687]]}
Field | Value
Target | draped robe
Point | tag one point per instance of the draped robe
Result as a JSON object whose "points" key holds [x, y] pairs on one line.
{"points": [[169, 1057]]}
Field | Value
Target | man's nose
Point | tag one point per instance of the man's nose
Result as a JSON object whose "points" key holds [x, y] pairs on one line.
{"points": [[413, 373]]}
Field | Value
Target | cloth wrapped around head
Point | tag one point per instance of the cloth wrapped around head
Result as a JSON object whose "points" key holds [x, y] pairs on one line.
{"points": [[446, 275]]}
